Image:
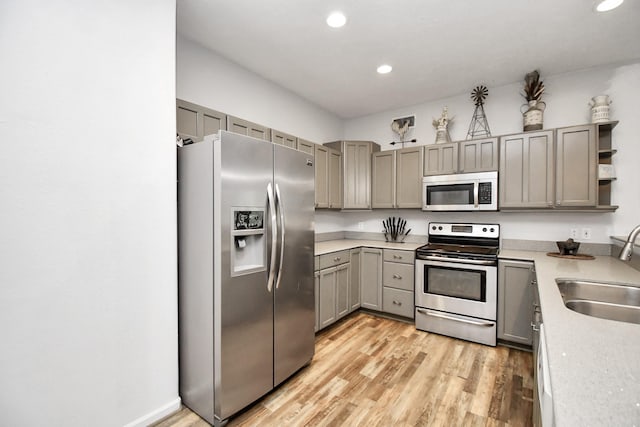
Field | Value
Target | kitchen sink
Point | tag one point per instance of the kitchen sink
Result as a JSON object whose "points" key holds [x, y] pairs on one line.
{"points": [[606, 300]]}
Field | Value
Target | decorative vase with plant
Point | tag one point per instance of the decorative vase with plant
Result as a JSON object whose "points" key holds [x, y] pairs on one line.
{"points": [[532, 111]]}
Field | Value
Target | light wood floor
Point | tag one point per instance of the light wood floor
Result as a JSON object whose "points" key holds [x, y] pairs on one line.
{"points": [[371, 371]]}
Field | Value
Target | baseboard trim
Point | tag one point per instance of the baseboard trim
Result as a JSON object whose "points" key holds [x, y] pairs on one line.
{"points": [[156, 415]]}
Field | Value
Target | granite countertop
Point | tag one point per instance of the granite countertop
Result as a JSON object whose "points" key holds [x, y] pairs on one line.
{"points": [[329, 246], [594, 364]]}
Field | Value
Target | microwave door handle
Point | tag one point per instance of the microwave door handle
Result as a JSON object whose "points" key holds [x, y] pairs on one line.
{"points": [[476, 184]]}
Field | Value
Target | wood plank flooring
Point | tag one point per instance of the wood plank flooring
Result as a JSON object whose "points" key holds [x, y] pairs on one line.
{"points": [[372, 371]]}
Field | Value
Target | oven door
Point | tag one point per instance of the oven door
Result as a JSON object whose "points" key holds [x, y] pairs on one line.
{"points": [[458, 287]]}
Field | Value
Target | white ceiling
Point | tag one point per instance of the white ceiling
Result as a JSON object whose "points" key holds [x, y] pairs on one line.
{"points": [[438, 48]]}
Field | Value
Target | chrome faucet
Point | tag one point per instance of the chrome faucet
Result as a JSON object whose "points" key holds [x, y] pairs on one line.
{"points": [[627, 249]]}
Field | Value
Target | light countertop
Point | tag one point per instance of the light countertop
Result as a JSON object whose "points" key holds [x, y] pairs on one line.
{"points": [[594, 364], [329, 246]]}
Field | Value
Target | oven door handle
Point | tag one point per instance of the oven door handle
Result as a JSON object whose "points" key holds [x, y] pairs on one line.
{"points": [[444, 316], [458, 260]]}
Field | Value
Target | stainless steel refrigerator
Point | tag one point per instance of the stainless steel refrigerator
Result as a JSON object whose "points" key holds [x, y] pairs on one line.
{"points": [[246, 289]]}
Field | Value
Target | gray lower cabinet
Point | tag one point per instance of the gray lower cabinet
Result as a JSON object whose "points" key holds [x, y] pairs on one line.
{"points": [[244, 127], [527, 170], [342, 290], [479, 155], [195, 121], [316, 278], [327, 297], [516, 282], [398, 282], [371, 279], [354, 280]]}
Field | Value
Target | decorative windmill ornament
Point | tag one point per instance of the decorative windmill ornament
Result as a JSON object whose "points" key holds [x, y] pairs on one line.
{"points": [[479, 126]]}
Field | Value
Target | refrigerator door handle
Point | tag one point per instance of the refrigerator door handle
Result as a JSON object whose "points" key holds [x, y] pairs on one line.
{"points": [[274, 238], [282, 228]]}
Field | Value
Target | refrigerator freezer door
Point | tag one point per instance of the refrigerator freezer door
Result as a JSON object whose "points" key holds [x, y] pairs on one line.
{"points": [[243, 305], [294, 316]]}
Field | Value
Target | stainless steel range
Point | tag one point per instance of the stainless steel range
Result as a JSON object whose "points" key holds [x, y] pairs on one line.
{"points": [[457, 281]]}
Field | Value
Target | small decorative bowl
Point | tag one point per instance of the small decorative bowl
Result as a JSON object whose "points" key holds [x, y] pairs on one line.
{"points": [[569, 247]]}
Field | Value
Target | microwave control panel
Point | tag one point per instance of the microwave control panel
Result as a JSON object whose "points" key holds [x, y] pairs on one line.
{"points": [[484, 193]]}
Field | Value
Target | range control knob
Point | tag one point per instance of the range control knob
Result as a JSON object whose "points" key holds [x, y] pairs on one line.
{"points": [[440, 227], [484, 229], [492, 229], [433, 227]]}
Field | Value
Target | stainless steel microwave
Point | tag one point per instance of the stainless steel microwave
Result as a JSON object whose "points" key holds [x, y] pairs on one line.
{"points": [[460, 192]]}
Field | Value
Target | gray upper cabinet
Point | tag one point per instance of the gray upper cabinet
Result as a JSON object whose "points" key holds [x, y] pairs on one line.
{"points": [[284, 139], [576, 162], [383, 179], [409, 167], [441, 159], [305, 146], [396, 178], [516, 282], [356, 172], [328, 177], [244, 127], [479, 155], [334, 179], [195, 121], [527, 170], [321, 165]]}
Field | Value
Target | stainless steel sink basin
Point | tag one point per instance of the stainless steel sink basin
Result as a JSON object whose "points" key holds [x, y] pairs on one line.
{"points": [[606, 300]]}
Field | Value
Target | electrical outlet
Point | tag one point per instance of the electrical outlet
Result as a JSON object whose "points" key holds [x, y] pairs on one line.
{"points": [[586, 233], [573, 233], [361, 226]]}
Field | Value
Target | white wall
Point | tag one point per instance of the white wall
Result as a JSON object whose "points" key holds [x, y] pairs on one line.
{"points": [[207, 79], [566, 97], [88, 219]]}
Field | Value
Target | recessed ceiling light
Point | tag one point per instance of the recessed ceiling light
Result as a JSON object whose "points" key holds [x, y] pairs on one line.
{"points": [[336, 20], [384, 69], [607, 5]]}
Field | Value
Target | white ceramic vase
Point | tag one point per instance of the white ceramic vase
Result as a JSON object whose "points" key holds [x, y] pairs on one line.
{"points": [[600, 108]]}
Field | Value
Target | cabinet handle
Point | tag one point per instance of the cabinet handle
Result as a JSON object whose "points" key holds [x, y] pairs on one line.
{"points": [[533, 283], [337, 259], [397, 302], [397, 257], [397, 276], [534, 327]]}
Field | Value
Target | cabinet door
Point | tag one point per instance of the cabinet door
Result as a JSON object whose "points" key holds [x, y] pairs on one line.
{"points": [[285, 139], [335, 179], [356, 175], [354, 280], [342, 290], [479, 155], [371, 279], [526, 170], [441, 159], [383, 179], [316, 288], [409, 166], [321, 155], [576, 162], [305, 146], [515, 301], [244, 127], [327, 299], [195, 121]]}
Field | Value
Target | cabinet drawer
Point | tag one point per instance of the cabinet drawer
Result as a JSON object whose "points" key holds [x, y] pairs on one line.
{"points": [[396, 301], [396, 275], [333, 259], [394, 255], [316, 263]]}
